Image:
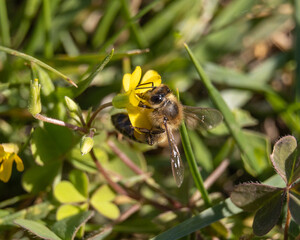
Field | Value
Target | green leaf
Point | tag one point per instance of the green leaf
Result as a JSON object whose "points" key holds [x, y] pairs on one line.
{"points": [[80, 181], [229, 119], [267, 216], [38, 178], [67, 210], [284, 157], [261, 149], [51, 143], [35, 212], [101, 201], [65, 192], [294, 203], [37, 229], [68, 227], [251, 196], [205, 218]]}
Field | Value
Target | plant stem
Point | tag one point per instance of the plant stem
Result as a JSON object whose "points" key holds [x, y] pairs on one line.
{"points": [[100, 108], [60, 123], [288, 217], [4, 27], [193, 165], [38, 62], [150, 182]]}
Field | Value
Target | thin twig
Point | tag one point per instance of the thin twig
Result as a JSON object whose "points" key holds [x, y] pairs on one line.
{"points": [[114, 185], [125, 159], [128, 213], [100, 108], [127, 192], [210, 180], [288, 217], [59, 123]]}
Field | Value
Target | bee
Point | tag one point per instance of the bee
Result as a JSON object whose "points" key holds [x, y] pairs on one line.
{"points": [[165, 116]]}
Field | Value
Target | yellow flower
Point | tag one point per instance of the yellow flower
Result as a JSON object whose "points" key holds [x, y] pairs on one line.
{"points": [[132, 86], [8, 154]]}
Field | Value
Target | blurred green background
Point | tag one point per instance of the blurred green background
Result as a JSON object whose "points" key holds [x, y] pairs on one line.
{"points": [[249, 50]]}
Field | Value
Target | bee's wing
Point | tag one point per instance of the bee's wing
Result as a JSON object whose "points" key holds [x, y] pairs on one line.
{"points": [[176, 163], [205, 118]]}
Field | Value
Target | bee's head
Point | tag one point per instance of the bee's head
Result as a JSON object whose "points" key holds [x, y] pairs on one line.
{"points": [[158, 94]]}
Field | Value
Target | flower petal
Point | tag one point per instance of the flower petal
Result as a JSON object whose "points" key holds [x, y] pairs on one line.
{"points": [[126, 82], [10, 147], [139, 117], [151, 76], [5, 169], [2, 153], [135, 77], [134, 101], [20, 165]]}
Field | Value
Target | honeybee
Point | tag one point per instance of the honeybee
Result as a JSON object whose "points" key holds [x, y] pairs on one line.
{"points": [[166, 116]]}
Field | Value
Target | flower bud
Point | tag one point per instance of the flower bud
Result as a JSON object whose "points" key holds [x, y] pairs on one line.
{"points": [[86, 144], [35, 106], [71, 105]]}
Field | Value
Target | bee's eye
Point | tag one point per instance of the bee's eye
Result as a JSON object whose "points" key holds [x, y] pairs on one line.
{"points": [[157, 99]]}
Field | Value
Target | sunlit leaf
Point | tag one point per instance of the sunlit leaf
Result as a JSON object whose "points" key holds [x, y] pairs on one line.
{"points": [[101, 201], [267, 216], [67, 210], [65, 192], [283, 156], [252, 196], [80, 181], [38, 229]]}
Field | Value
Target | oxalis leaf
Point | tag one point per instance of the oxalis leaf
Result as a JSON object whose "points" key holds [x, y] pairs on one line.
{"points": [[252, 196], [294, 203], [68, 227], [267, 216], [284, 157], [37, 228]]}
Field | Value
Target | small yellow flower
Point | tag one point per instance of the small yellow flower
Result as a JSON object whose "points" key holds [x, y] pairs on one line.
{"points": [[132, 86], [8, 154]]}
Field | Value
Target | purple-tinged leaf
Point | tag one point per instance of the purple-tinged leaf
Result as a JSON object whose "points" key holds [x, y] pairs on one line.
{"points": [[252, 196], [267, 216], [284, 157], [294, 203]]}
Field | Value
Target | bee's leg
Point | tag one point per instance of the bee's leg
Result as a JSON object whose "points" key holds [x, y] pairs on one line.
{"points": [[142, 105]]}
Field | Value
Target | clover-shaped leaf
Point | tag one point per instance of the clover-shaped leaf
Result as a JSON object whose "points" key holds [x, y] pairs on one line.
{"points": [[252, 196], [294, 203], [284, 158], [267, 216], [101, 201], [65, 192], [268, 200], [67, 210]]}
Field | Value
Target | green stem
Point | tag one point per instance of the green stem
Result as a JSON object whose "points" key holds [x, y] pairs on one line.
{"points": [[38, 62], [229, 118], [4, 24], [47, 23], [193, 165]]}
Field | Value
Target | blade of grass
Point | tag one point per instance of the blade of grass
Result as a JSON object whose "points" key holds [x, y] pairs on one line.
{"points": [[141, 13], [82, 85], [136, 31], [48, 51], [30, 11], [38, 62], [230, 121], [105, 23], [4, 24], [205, 218], [193, 165]]}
